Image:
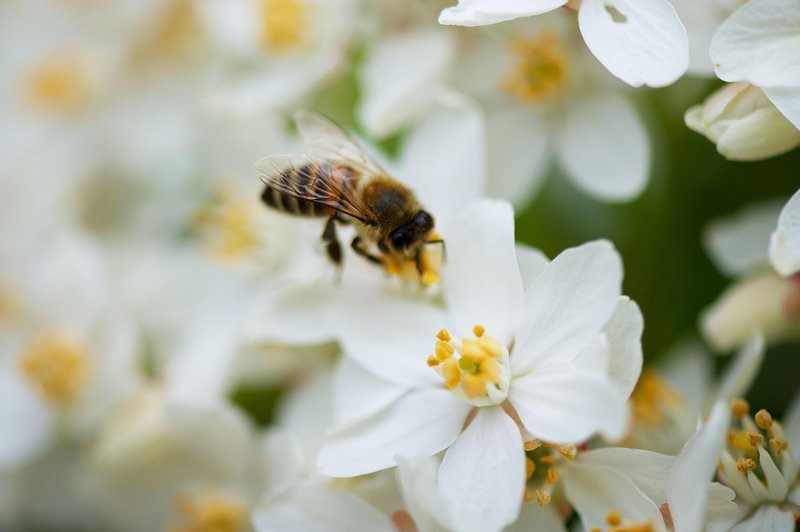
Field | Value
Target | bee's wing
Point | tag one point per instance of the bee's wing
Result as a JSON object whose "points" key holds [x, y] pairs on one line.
{"points": [[326, 140], [325, 185]]}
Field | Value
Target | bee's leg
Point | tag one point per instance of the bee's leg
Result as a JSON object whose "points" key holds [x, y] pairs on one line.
{"points": [[444, 248], [332, 245], [357, 245], [418, 261]]}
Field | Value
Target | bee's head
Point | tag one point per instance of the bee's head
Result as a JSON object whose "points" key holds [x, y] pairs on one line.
{"points": [[409, 236]]}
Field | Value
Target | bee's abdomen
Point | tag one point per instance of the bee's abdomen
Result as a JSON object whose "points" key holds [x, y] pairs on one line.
{"points": [[303, 181]]}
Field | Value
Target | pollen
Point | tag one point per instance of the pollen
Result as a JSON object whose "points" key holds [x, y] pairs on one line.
{"points": [[739, 408], [763, 419], [653, 398], [209, 513], [540, 71], [530, 467], [59, 83], [552, 476], [542, 498], [745, 464], [613, 518], [476, 369], [284, 24], [433, 361], [56, 366], [532, 445], [227, 226], [479, 330]]}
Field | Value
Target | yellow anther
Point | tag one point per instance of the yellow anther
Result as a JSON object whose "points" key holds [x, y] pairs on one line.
{"points": [[532, 445], [542, 497], [473, 385], [745, 464], [568, 451], [451, 373], [763, 419], [741, 442], [653, 398], [778, 445], [209, 513], [227, 225], [490, 370], [540, 71], [429, 278], [444, 350], [552, 476], [527, 496], [471, 349], [754, 439], [740, 408], [490, 346], [56, 366], [468, 365], [444, 336], [284, 24], [548, 459], [479, 330], [433, 361], [60, 83], [530, 467], [613, 518]]}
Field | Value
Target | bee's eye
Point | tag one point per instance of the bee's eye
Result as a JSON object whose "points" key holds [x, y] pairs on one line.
{"points": [[424, 220]]}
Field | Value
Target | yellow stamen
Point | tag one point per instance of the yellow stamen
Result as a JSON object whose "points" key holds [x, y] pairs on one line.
{"points": [[490, 346], [552, 476], [479, 330], [227, 225], [739, 408], [530, 467], [284, 24], [741, 442], [542, 498], [56, 366], [429, 278], [433, 361], [527, 496], [532, 445], [209, 513], [763, 419], [548, 459], [451, 373], [568, 451], [778, 445], [754, 439], [59, 83], [540, 72], [444, 350], [613, 518], [473, 385], [652, 398], [472, 349], [444, 336], [745, 464]]}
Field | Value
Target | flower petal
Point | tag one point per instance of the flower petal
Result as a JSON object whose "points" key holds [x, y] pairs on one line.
{"points": [[317, 507], [739, 376], [767, 517], [483, 473], [443, 158], [595, 490], [738, 243], [359, 393], [368, 325], [624, 334], [568, 304], [483, 12], [759, 43], [519, 154], [531, 263], [482, 281], [535, 517], [559, 403], [787, 100], [689, 482], [399, 78], [417, 479], [420, 424], [791, 426], [604, 148], [640, 42], [784, 244]]}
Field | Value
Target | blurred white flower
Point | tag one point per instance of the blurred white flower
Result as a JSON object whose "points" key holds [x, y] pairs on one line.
{"points": [[641, 43], [761, 298], [784, 243], [519, 365], [702, 20], [743, 123]]}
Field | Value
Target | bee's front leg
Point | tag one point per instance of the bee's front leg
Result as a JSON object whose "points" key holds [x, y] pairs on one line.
{"points": [[332, 245], [357, 245]]}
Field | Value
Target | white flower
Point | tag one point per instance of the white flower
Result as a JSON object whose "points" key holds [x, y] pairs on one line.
{"points": [[512, 364], [702, 20], [641, 43], [743, 123], [761, 298], [784, 243]]}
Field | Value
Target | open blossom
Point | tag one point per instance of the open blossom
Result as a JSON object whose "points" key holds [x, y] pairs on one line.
{"points": [[509, 365], [642, 43]]}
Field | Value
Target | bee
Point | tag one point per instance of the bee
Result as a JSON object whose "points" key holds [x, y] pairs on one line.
{"points": [[339, 181]]}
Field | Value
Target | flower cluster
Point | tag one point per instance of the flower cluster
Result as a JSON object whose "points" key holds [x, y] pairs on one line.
{"points": [[200, 333]]}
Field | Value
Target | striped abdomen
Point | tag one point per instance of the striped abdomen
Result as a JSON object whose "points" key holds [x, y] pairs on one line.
{"points": [[287, 191]]}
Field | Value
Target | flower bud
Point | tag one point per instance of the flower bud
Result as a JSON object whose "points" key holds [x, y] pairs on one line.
{"points": [[743, 123]]}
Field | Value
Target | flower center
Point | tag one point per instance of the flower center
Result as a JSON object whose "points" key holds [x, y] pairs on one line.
{"points": [[476, 369], [175, 37], [209, 513], [540, 71], [284, 24], [56, 367], [227, 226], [653, 398], [543, 463], [59, 83], [617, 523], [757, 462]]}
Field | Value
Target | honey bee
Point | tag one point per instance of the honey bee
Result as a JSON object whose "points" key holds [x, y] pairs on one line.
{"points": [[336, 179]]}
